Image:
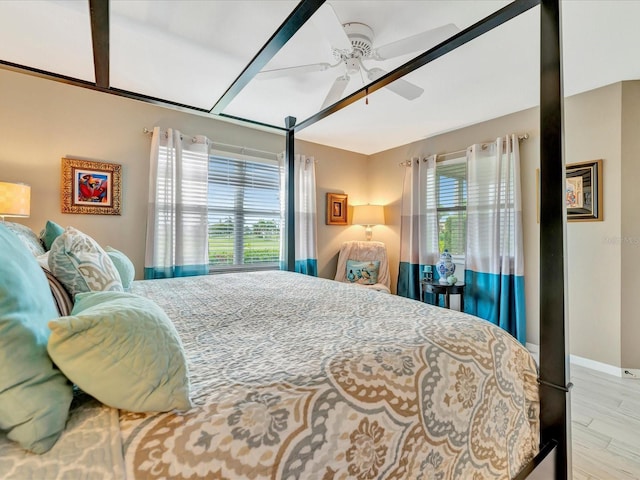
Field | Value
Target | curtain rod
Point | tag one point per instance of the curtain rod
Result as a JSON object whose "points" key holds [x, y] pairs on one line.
{"points": [[224, 146], [458, 152]]}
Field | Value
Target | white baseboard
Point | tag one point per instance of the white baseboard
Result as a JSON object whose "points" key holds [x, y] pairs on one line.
{"points": [[597, 366], [592, 364]]}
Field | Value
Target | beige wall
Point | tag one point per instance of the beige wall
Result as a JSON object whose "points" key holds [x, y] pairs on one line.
{"points": [[42, 121], [630, 235], [386, 178], [593, 129], [337, 171]]}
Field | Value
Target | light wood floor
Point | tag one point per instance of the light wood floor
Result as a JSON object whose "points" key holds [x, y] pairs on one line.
{"points": [[605, 426]]}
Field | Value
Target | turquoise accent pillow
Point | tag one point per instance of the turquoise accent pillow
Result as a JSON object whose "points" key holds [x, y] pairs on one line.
{"points": [[34, 395], [51, 231], [364, 273], [123, 350], [124, 266], [81, 265]]}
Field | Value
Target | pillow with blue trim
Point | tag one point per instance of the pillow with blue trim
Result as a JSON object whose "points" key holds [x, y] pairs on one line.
{"points": [[364, 273], [81, 265], [34, 395]]}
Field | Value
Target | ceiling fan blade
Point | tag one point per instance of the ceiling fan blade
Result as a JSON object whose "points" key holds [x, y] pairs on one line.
{"points": [[400, 87], [336, 91], [287, 71], [415, 43], [326, 20]]}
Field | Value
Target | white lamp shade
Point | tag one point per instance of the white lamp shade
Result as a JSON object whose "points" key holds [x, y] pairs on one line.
{"points": [[368, 215], [15, 199]]}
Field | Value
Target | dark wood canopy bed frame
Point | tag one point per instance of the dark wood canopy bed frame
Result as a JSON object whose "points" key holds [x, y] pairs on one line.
{"points": [[553, 370]]}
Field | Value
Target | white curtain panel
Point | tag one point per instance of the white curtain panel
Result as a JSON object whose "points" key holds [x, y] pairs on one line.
{"points": [[177, 226], [495, 256], [419, 224], [306, 216], [306, 247], [494, 208]]}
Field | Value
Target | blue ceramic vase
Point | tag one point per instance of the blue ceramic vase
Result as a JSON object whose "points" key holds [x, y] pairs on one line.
{"points": [[445, 266]]}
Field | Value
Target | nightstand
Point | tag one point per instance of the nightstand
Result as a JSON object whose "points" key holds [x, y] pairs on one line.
{"points": [[437, 289]]}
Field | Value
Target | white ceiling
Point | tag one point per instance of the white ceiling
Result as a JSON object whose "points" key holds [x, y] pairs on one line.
{"points": [[190, 52]]}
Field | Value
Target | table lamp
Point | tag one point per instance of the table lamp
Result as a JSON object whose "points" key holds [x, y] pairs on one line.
{"points": [[15, 200], [368, 215]]}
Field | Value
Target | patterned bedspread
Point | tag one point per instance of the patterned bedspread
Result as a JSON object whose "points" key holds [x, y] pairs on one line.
{"points": [[88, 449], [298, 377]]}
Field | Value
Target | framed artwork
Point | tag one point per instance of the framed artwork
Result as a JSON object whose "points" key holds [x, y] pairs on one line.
{"points": [[583, 191], [336, 209], [90, 187]]}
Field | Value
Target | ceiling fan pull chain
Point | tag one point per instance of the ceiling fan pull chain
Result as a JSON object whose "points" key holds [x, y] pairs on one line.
{"points": [[366, 96]]}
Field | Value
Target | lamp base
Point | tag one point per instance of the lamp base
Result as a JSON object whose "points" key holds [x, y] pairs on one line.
{"points": [[368, 232]]}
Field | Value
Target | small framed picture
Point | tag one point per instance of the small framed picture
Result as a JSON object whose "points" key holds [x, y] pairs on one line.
{"points": [[90, 187], [584, 191], [336, 208]]}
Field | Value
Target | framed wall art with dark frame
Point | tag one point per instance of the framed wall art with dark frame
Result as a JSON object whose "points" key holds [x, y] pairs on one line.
{"points": [[336, 208], [583, 192], [90, 187]]}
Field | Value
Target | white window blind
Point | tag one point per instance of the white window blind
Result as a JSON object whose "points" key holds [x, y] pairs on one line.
{"points": [[244, 214], [181, 198], [491, 202], [451, 184]]}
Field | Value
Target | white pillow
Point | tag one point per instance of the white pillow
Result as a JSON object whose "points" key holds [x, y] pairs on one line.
{"points": [[79, 263]]}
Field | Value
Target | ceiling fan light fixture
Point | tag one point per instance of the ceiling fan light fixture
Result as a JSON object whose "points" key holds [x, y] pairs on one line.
{"points": [[361, 38], [351, 44], [352, 65]]}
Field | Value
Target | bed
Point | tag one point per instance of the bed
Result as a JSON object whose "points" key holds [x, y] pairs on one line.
{"points": [[298, 377]]}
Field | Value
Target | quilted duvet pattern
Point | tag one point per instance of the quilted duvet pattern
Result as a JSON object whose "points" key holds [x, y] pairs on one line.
{"points": [[299, 377], [123, 350]]}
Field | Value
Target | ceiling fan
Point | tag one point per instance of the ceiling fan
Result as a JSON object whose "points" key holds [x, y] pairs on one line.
{"points": [[353, 45]]}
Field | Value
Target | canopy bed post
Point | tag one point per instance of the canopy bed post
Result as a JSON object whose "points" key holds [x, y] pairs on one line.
{"points": [[554, 368], [290, 123], [99, 12]]}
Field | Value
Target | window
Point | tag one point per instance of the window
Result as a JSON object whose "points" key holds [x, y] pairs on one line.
{"points": [[451, 192], [243, 214]]}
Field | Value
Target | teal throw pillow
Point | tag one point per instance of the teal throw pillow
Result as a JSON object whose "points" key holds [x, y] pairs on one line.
{"points": [[51, 231], [364, 273], [34, 395], [81, 265], [124, 266], [123, 350]]}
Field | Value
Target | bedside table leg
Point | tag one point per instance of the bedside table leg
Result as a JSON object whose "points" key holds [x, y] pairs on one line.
{"points": [[446, 300]]}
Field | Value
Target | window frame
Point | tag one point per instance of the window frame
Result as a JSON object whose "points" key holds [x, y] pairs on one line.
{"points": [[239, 216], [453, 159]]}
